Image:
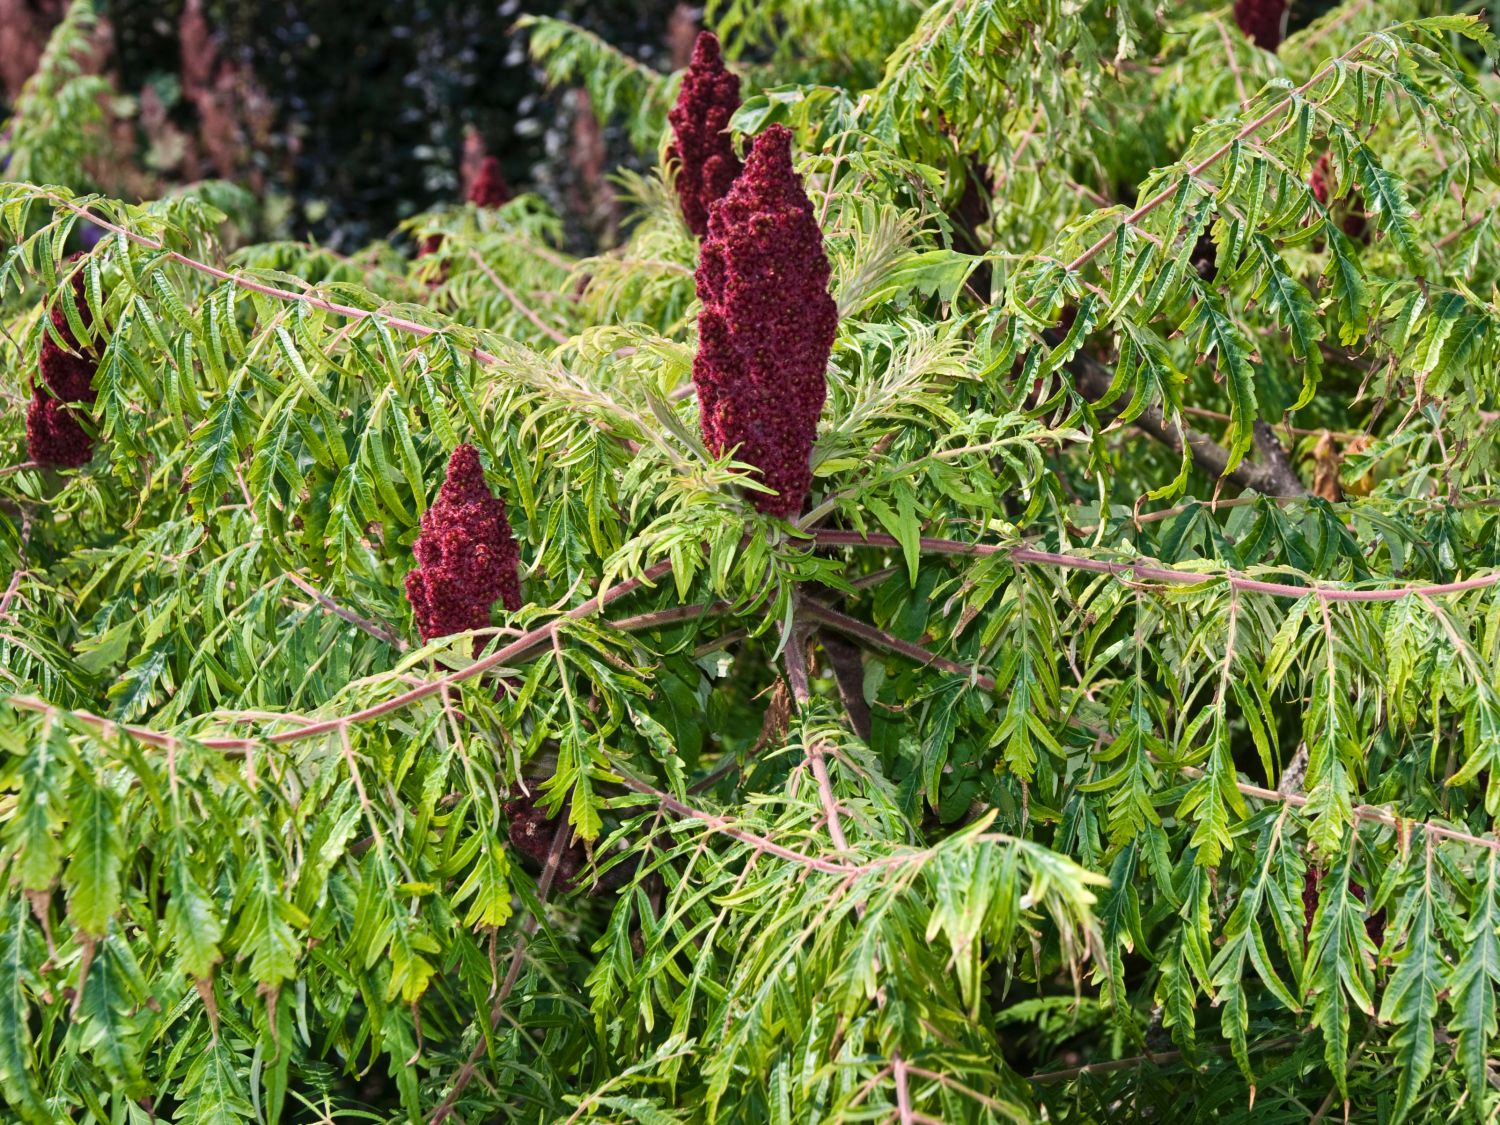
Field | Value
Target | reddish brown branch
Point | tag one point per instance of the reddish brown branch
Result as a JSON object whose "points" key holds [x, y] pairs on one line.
{"points": [[1370, 813], [400, 323], [881, 639], [19, 573], [669, 616], [726, 827], [796, 673], [1274, 476], [380, 632], [903, 1092], [1149, 573], [847, 666], [510, 295], [516, 650], [1195, 170]]}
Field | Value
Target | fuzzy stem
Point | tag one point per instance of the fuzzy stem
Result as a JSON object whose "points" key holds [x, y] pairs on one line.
{"points": [[19, 573], [399, 323], [1218, 154], [725, 827], [1028, 555], [1370, 813], [379, 632], [796, 673], [509, 294], [516, 650], [881, 639], [903, 1093]]}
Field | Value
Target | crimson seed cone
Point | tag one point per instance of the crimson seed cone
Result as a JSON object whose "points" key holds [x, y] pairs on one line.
{"points": [[767, 324], [54, 435], [706, 163], [466, 555], [1321, 181], [531, 832], [489, 188], [1262, 21]]}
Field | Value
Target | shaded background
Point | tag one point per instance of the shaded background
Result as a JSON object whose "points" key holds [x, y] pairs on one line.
{"points": [[344, 116]]}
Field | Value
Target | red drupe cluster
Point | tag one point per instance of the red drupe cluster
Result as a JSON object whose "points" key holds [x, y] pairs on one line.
{"points": [[489, 188], [1312, 883], [1263, 21], [466, 555], [1322, 182], [531, 832], [54, 436], [767, 324], [705, 158]]}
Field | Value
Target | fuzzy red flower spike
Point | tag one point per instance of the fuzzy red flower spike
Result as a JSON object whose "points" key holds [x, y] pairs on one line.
{"points": [[767, 324], [1262, 21], [705, 157], [54, 436], [466, 554], [489, 188]]}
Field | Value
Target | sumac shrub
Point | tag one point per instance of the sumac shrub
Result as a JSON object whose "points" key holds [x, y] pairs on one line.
{"points": [[997, 625]]}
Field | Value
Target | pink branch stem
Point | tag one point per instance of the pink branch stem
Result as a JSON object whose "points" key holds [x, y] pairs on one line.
{"points": [[1156, 573], [796, 671], [1214, 157], [509, 294], [380, 632], [1370, 813], [516, 650], [903, 1091], [725, 827], [399, 323], [881, 639], [20, 572]]}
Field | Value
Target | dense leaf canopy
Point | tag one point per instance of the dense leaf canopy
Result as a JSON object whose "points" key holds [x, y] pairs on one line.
{"points": [[1114, 732]]}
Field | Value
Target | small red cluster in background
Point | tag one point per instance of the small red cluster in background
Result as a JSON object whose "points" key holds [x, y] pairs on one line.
{"points": [[1263, 21], [767, 324], [489, 188], [1322, 183], [704, 155], [531, 832], [466, 554], [1312, 884], [54, 435]]}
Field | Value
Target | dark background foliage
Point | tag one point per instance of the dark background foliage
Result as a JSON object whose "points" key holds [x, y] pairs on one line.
{"points": [[349, 117], [363, 107]]}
